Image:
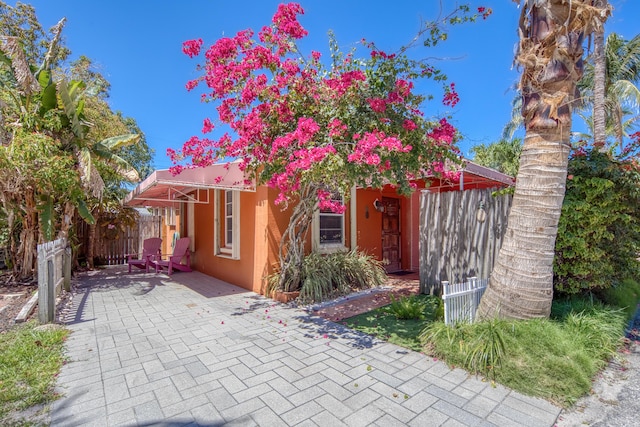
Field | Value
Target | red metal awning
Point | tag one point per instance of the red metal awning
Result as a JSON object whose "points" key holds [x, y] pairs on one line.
{"points": [[163, 189]]}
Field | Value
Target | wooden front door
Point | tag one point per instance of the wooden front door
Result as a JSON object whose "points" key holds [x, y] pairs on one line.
{"points": [[391, 234]]}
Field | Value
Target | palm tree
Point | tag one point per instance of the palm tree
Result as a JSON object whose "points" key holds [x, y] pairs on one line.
{"points": [[550, 52], [620, 95]]}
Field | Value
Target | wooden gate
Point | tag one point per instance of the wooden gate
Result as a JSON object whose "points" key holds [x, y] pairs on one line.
{"points": [[460, 235]]}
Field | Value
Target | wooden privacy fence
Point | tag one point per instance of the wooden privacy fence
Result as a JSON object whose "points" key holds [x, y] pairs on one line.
{"points": [[112, 245], [460, 235], [54, 272], [461, 300]]}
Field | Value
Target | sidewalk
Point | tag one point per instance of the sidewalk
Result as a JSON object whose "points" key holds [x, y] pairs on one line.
{"points": [[147, 349]]}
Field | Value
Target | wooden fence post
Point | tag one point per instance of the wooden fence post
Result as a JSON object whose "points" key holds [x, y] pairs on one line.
{"points": [[46, 294]]}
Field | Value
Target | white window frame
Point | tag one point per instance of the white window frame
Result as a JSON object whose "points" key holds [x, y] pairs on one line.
{"points": [[220, 202], [318, 246]]}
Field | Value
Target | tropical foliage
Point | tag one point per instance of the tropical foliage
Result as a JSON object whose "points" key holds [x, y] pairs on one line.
{"points": [[599, 232], [56, 161], [503, 155], [326, 276]]}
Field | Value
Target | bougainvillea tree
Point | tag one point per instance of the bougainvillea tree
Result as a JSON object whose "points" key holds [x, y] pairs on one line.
{"points": [[311, 127]]}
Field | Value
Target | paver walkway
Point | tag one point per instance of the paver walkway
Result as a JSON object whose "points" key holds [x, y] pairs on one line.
{"points": [[147, 349]]}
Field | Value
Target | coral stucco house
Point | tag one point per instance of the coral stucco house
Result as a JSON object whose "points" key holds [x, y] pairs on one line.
{"points": [[235, 228]]}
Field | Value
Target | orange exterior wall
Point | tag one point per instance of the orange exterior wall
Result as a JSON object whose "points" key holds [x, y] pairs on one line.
{"points": [[261, 226], [204, 259]]}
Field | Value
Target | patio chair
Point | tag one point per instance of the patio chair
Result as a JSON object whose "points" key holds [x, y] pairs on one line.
{"points": [[180, 252], [150, 250]]}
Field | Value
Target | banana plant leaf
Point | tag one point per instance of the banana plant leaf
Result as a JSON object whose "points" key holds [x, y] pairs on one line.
{"points": [[46, 211]]}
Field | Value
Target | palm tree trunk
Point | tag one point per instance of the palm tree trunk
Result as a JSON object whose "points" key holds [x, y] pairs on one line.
{"points": [[599, 87], [521, 284]]}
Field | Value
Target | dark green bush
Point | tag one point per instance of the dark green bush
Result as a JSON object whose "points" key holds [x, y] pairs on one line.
{"points": [[625, 295], [599, 230]]}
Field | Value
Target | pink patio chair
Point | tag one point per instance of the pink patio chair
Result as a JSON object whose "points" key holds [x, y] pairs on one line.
{"points": [[180, 252], [150, 250]]}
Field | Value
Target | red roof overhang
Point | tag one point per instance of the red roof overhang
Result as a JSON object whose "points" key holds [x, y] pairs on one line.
{"points": [[162, 188]]}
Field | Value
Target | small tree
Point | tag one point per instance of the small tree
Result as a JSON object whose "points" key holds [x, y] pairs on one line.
{"points": [[503, 155], [295, 122]]}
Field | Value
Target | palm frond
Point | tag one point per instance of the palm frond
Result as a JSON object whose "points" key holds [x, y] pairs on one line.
{"points": [[120, 141], [24, 77], [84, 211]]}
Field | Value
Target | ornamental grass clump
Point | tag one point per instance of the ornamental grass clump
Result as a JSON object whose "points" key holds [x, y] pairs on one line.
{"points": [[625, 295], [331, 275]]}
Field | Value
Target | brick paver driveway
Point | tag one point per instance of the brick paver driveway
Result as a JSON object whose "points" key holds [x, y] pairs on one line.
{"points": [[147, 349]]}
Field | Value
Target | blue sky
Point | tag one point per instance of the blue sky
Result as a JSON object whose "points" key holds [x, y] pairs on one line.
{"points": [[136, 45]]}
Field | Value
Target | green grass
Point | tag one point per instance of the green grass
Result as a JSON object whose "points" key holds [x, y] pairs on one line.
{"points": [[555, 358], [29, 362], [385, 323]]}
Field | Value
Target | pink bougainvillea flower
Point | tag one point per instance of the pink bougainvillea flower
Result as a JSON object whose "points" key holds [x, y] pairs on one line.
{"points": [[451, 97], [409, 125], [192, 84], [377, 104], [192, 47], [207, 126]]}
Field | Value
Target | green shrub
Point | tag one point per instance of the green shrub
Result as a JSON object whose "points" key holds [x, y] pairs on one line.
{"points": [[599, 230], [408, 308], [478, 347], [625, 295]]}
